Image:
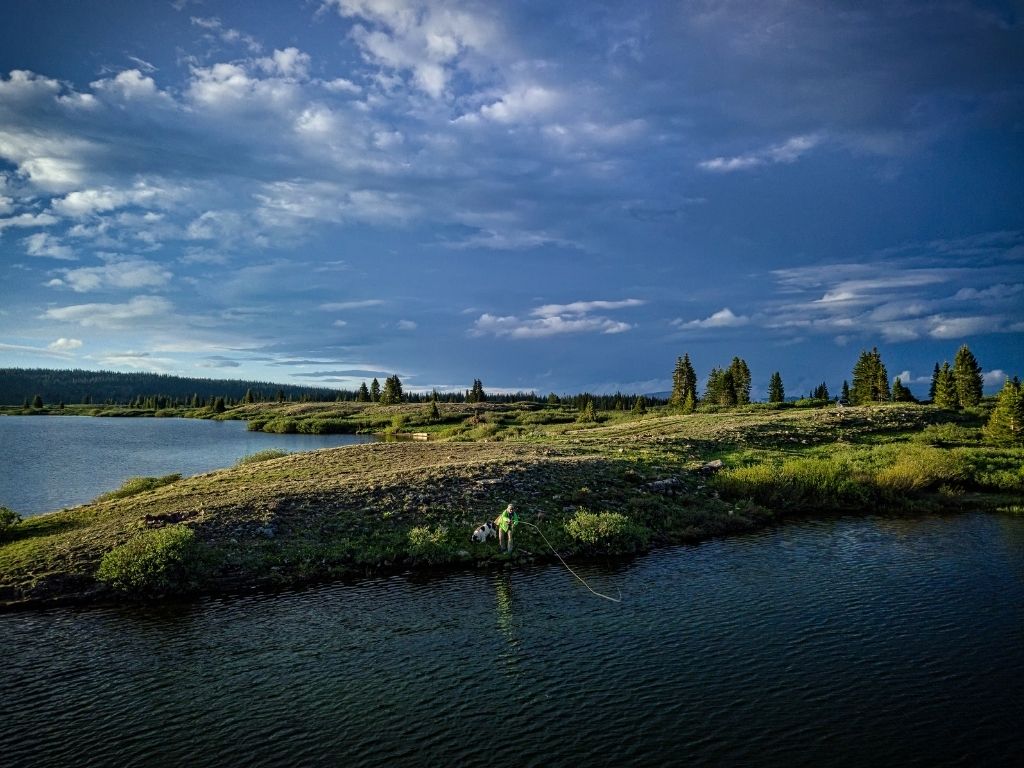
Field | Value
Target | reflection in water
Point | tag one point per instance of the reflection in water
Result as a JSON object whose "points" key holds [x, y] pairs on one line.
{"points": [[509, 653]]}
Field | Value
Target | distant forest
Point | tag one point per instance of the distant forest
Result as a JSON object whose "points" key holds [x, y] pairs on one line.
{"points": [[20, 386]]}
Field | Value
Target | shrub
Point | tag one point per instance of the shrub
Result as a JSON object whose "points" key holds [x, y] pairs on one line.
{"points": [[254, 458], [135, 485], [795, 483], [610, 531], [429, 544], [947, 434], [153, 563], [922, 468], [281, 426], [8, 519]]}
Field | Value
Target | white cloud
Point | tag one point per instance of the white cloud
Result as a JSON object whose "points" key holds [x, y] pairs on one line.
{"points": [[86, 202], [127, 85], [723, 318], [959, 327], [584, 307], [64, 345], [111, 315], [44, 244], [788, 151], [428, 41], [521, 105], [132, 359], [290, 63], [215, 28], [995, 292], [116, 273], [341, 85], [556, 319], [406, 325], [995, 378], [26, 220]]}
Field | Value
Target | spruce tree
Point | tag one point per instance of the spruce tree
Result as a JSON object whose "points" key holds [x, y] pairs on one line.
{"points": [[776, 392], [249, 397], [588, 415], [945, 389], [374, 390], [37, 401], [844, 395], [1006, 424], [870, 379], [640, 405], [684, 382], [934, 383], [720, 388], [392, 392], [219, 406], [740, 380], [967, 375], [901, 394], [362, 394]]}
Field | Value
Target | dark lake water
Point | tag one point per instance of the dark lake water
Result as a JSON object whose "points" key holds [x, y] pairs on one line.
{"points": [[851, 642], [50, 462]]}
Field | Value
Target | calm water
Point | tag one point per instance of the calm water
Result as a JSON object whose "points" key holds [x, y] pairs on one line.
{"points": [[49, 462], [859, 642]]}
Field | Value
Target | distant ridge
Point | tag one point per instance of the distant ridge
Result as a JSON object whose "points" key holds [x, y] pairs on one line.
{"points": [[74, 386]]}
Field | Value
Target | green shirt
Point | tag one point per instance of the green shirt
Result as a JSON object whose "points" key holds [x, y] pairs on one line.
{"points": [[506, 521]]}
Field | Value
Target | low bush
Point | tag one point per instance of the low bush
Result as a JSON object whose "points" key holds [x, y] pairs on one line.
{"points": [[135, 485], [795, 483], [255, 458], [431, 545], [611, 532], [281, 426], [153, 563], [947, 434], [8, 519], [921, 468]]}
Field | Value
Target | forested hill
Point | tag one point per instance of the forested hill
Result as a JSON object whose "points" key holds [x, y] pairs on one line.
{"points": [[79, 386]]}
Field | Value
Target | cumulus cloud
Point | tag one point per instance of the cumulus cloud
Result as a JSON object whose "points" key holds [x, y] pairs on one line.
{"points": [[44, 244], [723, 318], [64, 345], [115, 273], [427, 41], [111, 315], [556, 319]]}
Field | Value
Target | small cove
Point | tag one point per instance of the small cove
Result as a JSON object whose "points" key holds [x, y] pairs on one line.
{"points": [[51, 462]]}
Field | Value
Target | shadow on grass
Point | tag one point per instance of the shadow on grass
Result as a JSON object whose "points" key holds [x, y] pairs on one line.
{"points": [[43, 525]]}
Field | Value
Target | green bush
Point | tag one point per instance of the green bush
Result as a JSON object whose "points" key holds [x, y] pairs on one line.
{"points": [[281, 426], [8, 519], [254, 458], [610, 532], [922, 468], [430, 544], [134, 485], [795, 483], [947, 434], [153, 563]]}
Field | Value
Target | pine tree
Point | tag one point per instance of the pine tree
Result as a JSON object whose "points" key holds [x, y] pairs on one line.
{"points": [[1006, 424], [934, 383], [740, 380], [553, 399], [249, 397], [362, 394], [720, 388], [588, 415], [280, 395], [374, 390], [37, 401], [776, 392], [901, 394], [844, 396], [945, 389], [435, 410], [684, 382], [218, 405], [640, 405], [820, 392], [392, 392], [870, 379], [968, 378]]}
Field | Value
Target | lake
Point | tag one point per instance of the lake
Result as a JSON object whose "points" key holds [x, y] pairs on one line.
{"points": [[50, 462], [865, 641]]}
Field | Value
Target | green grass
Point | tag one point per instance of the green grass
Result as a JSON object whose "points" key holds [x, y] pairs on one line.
{"points": [[411, 504], [256, 458]]}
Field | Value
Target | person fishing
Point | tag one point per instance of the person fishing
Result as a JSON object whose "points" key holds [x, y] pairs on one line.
{"points": [[506, 522]]}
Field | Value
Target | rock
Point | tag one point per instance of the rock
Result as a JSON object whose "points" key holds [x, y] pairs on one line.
{"points": [[710, 467]]}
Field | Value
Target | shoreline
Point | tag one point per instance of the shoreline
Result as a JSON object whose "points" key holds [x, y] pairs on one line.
{"points": [[615, 489]]}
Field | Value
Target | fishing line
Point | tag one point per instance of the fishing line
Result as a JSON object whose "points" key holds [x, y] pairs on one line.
{"points": [[606, 597]]}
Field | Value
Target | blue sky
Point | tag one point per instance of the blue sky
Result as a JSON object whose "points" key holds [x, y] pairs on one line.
{"points": [[547, 196]]}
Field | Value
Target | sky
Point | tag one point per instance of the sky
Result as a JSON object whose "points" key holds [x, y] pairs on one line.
{"points": [[545, 196]]}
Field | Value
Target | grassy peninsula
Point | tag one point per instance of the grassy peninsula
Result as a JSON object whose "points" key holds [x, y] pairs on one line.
{"points": [[618, 485]]}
